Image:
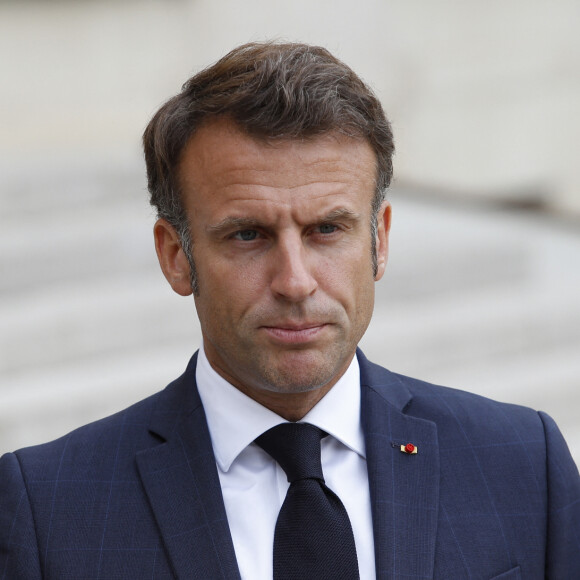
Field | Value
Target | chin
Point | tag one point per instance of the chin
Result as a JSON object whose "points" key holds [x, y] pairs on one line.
{"points": [[300, 376]]}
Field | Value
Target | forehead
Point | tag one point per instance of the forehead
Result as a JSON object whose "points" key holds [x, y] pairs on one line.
{"points": [[222, 163]]}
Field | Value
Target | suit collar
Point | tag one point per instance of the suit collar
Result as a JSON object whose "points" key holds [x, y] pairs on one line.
{"points": [[182, 484], [404, 488], [390, 387]]}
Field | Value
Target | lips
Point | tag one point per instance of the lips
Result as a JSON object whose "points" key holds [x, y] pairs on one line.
{"points": [[295, 333], [297, 326]]}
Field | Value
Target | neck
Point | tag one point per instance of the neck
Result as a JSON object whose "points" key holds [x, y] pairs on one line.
{"points": [[290, 406]]}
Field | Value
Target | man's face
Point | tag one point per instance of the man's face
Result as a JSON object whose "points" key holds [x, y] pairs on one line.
{"points": [[282, 245]]}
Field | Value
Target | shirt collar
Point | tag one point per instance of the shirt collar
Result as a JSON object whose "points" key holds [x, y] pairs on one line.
{"points": [[236, 420]]}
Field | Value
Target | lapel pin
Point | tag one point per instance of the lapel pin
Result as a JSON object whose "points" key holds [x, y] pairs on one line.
{"points": [[409, 449]]}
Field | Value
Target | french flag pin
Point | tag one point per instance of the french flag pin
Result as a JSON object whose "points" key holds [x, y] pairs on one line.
{"points": [[409, 449]]}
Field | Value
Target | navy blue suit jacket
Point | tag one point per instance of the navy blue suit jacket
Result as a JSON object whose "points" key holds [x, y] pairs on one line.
{"points": [[491, 493]]}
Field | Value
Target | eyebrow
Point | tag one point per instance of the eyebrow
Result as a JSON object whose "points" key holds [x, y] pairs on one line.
{"points": [[341, 213], [233, 222]]}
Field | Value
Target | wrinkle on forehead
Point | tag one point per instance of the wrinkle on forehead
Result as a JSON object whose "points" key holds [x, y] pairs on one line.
{"points": [[223, 140], [256, 172], [224, 171]]}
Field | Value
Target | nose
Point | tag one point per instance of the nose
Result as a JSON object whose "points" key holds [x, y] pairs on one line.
{"points": [[292, 277]]}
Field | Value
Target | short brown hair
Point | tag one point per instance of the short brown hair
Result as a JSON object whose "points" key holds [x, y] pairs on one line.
{"points": [[272, 91]]}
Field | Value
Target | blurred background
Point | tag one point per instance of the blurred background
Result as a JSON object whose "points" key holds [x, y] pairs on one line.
{"points": [[482, 291]]}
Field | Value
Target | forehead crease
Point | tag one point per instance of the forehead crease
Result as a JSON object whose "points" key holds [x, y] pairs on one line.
{"points": [[313, 201], [311, 189], [288, 173]]}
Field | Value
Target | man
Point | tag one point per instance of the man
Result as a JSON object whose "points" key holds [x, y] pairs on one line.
{"points": [[268, 172]]}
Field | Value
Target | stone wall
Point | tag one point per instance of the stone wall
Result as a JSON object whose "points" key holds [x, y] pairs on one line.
{"points": [[484, 100]]}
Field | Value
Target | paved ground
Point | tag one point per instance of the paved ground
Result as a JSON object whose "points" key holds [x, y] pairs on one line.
{"points": [[475, 297]]}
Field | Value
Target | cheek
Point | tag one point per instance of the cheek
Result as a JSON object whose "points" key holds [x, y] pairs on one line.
{"points": [[349, 280], [228, 289], [248, 278]]}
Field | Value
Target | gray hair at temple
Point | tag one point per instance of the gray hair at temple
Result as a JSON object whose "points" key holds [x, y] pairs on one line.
{"points": [[273, 91]]}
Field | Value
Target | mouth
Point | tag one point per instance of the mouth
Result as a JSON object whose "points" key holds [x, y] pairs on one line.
{"points": [[295, 333]]}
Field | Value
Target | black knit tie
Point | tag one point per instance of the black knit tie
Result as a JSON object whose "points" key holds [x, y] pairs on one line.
{"points": [[313, 538]]}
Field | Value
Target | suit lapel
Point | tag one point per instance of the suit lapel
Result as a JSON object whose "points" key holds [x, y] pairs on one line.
{"points": [[404, 488], [181, 481]]}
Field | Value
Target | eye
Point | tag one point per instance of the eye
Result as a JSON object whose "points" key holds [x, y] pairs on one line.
{"points": [[246, 235], [327, 228]]}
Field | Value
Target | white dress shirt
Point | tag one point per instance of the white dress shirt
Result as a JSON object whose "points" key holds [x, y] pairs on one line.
{"points": [[254, 486]]}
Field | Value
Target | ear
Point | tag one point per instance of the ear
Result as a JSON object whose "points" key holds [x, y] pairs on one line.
{"points": [[382, 241], [171, 257]]}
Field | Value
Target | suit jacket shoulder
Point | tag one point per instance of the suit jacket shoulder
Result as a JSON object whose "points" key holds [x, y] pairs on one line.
{"points": [[497, 479], [134, 495]]}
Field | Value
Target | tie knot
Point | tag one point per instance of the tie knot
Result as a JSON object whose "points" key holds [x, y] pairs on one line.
{"points": [[296, 448]]}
